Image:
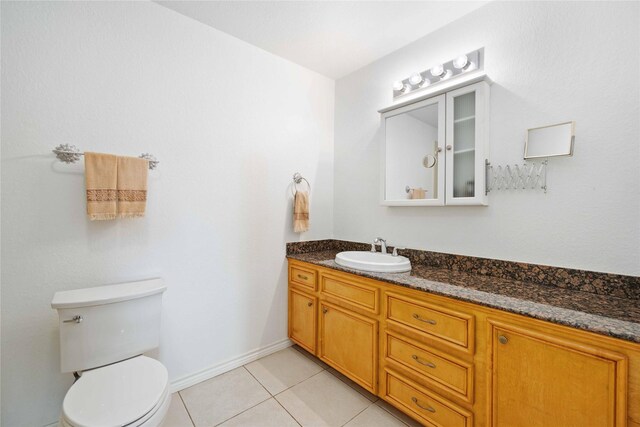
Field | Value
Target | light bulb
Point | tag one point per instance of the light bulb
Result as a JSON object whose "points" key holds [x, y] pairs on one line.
{"points": [[437, 71], [425, 83], [398, 85], [415, 79], [461, 62]]}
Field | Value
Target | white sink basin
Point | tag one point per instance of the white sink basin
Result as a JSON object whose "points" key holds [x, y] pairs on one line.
{"points": [[373, 261]]}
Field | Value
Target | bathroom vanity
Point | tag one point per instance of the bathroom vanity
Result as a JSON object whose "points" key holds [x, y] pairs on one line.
{"points": [[455, 349]]}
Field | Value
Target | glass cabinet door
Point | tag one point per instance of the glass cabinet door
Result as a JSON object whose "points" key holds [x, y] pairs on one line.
{"points": [[465, 148]]}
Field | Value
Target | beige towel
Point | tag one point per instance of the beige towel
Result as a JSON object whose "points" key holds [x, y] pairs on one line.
{"points": [[301, 212], [418, 193], [132, 186], [101, 172]]}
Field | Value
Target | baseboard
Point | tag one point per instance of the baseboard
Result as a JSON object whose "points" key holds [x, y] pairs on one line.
{"points": [[210, 372]]}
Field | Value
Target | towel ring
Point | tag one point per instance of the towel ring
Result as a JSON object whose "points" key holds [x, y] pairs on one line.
{"points": [[297, 179]]}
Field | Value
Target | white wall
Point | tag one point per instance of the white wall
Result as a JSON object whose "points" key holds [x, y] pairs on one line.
{"points": [[230, 124], [551, 62]]}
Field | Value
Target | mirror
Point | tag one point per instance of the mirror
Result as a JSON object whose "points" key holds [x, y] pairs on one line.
{"points": [[411, 162], [550, 141]]}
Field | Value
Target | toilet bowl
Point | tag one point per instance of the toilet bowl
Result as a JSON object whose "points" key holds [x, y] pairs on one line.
{"points": [[103, 333], [134, 392]]}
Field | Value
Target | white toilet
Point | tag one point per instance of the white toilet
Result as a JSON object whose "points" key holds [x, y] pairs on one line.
{"points": [[103, 333]]}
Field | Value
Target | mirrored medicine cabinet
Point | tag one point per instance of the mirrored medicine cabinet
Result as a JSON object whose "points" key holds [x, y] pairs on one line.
{"points": [[434, 149]]}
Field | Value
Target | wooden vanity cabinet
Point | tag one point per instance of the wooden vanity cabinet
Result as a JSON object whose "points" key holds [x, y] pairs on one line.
{"points": [[448, 363], [302, 319]]}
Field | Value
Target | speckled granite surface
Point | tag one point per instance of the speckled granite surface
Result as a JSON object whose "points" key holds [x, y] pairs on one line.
{"points": [[604, 314], [580, 280]]}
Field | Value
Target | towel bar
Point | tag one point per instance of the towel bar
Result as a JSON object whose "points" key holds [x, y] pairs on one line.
{"points": [[68, 153], [297, 179]]}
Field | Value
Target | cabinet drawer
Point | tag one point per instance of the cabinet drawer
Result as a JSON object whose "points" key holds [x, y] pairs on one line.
{"points": [[302, 277], [355, 294], [436, 369], [452, 328], [431, 409]]}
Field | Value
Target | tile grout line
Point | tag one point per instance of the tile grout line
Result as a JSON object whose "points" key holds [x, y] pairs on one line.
{"points": [[336, 374], [186, 409], [291, 386], [357, 387], [389, 412], [356, 415], [285, 409], [240, 413], [279, 393], [344, 379], [259, 403], [273, 396], [257, 380]]}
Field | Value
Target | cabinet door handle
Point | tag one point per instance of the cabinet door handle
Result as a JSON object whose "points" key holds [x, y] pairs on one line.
{"points": [[426, 408], [309, 304], [420, 361], [503, 339], [449, 147], [324, 310], [429, 321], [300, 276]]}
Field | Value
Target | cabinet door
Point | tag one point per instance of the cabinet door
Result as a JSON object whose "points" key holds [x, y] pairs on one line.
{"points": [[540, 380], [349, 342], [467, 144], [302, 319]]}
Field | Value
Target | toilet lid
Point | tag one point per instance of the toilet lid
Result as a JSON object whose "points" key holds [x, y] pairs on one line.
{"points": [[116, 395]]}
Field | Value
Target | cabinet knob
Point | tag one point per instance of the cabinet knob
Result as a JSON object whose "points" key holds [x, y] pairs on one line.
{"points": [[503, 339], [309, 304], [439, 149], [449, 147], [324, 310]]}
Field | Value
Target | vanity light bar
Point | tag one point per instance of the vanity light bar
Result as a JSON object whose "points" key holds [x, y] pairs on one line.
{"points": [[438, 73]]}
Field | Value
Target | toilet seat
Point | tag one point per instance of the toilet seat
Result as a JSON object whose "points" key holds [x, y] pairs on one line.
{"points": [[134, 392]]}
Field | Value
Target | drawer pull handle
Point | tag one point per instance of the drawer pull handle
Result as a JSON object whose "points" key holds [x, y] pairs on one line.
{"points": [[309, 304], [300, 276], [429, 321], [420, 361], [426, 408], [324, 310], [503, 339]]}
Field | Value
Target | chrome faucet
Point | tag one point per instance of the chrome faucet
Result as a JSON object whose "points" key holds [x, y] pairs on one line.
{"points": [[383, 244]]}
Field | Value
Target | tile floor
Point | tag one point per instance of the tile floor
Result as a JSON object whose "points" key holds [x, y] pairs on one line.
{"points": [[287, 388]]}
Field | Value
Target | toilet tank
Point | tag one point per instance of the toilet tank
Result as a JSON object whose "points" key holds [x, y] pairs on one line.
{"points": [[107, 324]]}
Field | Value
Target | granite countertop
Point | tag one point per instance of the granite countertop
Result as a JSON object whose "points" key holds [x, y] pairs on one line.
{"points": [[603, 314]]}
